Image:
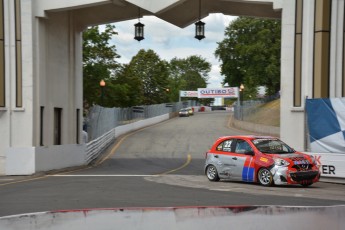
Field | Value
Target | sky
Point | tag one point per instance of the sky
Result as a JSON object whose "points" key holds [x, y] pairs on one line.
{"points": [[169, 41]]}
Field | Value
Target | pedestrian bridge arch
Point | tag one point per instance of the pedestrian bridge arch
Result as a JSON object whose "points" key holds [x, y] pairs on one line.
{"points": [[41, 99]]}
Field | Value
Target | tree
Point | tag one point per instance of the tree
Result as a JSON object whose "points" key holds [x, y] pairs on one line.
{"points": [[130, 91], [99, 63], [153, 74], [250, 54], [188, 73]]}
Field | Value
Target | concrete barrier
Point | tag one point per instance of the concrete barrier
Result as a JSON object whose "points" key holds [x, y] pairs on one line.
{"points": [[185, 218]]}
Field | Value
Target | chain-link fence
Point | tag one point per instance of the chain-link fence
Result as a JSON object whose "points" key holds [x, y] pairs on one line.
{"points": [[101, 120], [253, 111]]}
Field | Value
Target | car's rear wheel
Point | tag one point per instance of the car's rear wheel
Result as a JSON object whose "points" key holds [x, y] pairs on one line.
{"points": [[265, 177], [212, 173]]}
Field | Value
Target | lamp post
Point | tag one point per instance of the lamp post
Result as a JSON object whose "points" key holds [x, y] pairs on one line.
{"points": [[241, 92], [102, 85], [241, 96]]}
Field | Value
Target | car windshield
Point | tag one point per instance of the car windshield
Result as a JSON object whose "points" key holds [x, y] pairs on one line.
{"points": [[274, 146]]}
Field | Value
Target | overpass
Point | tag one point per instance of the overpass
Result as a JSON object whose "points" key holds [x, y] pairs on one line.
{"points": [[41, 65]]}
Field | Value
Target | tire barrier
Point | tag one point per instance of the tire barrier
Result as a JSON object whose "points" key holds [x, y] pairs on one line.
{"points": [[183, 218]]}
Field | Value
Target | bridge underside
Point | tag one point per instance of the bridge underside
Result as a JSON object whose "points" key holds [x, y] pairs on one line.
{"points": [[180, 13]]}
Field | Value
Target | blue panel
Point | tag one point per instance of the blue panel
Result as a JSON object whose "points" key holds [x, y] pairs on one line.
{"points": [[248, 174], [322, 119]]}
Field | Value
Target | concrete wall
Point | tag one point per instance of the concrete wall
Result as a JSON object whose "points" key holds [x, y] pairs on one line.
{"points": [[291, 119]]}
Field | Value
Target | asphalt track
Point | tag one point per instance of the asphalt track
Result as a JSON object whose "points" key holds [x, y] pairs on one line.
{"points": [[159, 166]]}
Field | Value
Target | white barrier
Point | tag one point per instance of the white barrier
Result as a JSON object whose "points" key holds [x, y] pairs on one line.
{"points": [[331, 164], [30, 160], [95, 147], [198, 218]]}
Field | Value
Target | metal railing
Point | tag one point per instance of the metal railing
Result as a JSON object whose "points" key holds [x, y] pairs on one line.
{"points": [[101, 120]]}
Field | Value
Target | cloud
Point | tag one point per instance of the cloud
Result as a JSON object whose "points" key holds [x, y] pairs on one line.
{"points": [[170, 41]]}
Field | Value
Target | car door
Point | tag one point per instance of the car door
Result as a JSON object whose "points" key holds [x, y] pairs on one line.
{"points": [[224, 156], [243, 161]]}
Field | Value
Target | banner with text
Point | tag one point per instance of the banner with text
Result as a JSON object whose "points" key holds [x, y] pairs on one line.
{"points": [[188, 93], [218, 92]]}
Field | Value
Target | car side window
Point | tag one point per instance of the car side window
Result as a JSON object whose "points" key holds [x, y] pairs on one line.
{"points": [[243, 147], [225, 146]]}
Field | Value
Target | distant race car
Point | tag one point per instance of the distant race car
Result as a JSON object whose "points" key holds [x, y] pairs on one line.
{"points": [[266, 160], [183, 113]]}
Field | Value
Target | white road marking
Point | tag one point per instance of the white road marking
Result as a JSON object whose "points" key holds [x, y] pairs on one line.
{"points": [[101, 175]]}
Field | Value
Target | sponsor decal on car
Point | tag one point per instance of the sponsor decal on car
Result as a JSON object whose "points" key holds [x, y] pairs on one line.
{"points": [[263, 159]]}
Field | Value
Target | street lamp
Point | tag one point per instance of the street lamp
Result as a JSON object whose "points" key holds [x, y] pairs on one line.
{"points": [[241, 96], [102, 85], [241, 92]]}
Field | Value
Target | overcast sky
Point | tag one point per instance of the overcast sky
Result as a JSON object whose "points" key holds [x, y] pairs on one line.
{"points": [[169, 41]]}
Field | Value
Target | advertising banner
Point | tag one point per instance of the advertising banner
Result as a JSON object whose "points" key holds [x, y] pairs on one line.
{"points": [[231, 92], [188, 93], [330, 164], [326, 124]]}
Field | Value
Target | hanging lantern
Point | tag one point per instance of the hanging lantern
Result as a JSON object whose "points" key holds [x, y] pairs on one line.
{"points": [[199, 26], [139, 31], [199, 30]]}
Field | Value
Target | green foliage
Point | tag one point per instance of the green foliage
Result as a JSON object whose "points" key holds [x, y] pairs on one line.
{"points": [[187, 74], [250, 54], [145, 80], [153, 74], [98, 63]]}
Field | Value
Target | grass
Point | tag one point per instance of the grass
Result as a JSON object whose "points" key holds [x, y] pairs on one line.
{"points": [[266, 114]]}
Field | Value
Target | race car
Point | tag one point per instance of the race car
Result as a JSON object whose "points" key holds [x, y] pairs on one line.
{"points": [[260, 159]]}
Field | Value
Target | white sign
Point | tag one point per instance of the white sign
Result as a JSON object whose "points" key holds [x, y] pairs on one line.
{"points": [[330, 164], [231, 92], [188, 93]]}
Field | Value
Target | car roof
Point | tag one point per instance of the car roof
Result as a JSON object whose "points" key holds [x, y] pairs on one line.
{"points": [[248, 137]]}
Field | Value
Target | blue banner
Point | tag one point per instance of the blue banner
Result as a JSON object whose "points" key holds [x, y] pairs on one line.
{"points": [[326, 123]]}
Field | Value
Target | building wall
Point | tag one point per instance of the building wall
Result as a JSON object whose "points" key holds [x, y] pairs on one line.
{"points": [[16, 114], [51, 66], [312, 68], [60, 54]]}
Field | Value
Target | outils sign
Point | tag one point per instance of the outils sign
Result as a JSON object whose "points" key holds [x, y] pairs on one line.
{"points": [[218, 92]]}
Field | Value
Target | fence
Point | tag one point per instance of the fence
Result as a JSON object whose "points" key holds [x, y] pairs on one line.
{"points": [[252, 111], [103, 123], [101, 120]]}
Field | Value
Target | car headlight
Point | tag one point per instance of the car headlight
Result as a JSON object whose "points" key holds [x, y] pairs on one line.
{"points": [[281, 162]]}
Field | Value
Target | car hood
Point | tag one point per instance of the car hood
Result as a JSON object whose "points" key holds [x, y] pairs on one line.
{"points": [[293, 158]]}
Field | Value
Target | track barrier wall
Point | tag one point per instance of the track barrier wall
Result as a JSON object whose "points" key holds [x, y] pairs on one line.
{"points": [[184, 218]]}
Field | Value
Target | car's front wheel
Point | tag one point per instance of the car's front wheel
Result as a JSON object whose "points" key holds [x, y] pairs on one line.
{"points": [[212, 173], [265, 177]]}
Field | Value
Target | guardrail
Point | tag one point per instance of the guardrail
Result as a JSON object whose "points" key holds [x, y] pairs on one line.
{"points": [[96, 147]]}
